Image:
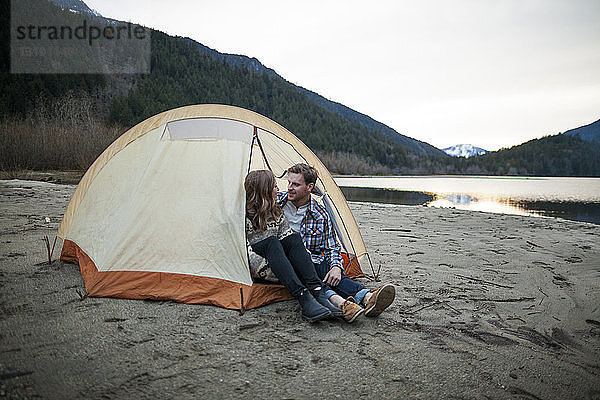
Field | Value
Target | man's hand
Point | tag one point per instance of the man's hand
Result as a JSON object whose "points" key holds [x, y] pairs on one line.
{"points": [[333, 277]]}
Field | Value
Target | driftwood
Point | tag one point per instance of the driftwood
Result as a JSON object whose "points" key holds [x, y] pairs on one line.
{"points": [[515, 300], [483, 281]]}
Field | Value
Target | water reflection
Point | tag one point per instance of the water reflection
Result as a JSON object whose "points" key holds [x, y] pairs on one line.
{"points": [[462, 199], [467, 202], [388, 196], [571, 210]]}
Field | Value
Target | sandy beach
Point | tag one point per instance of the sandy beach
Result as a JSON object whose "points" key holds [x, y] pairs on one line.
{"points": [[488, 306]]}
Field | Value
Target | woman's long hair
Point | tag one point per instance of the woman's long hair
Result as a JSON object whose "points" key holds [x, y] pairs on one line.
{"points": [[260, 204]]}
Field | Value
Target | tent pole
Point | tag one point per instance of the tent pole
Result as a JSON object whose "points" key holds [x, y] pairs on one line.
{"points": [[261, 149], [251, 150]]}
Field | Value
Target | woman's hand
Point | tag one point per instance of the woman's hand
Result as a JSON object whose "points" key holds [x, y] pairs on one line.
{"points": [[333, 277]]}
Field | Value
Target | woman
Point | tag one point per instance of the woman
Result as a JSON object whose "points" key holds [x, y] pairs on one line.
{"points": [[270, 237]]}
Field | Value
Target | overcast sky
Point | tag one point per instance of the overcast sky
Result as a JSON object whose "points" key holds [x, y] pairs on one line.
{"points": [[489, 73]]}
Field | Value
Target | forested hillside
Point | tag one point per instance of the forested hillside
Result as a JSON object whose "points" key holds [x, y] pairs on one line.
{"points": [[557, 155], [590, 132], [64, 121], [19, 92], [253, 64], [181, 75]]}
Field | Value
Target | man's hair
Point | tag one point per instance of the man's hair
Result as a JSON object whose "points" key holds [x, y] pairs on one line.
{"points": [[309, 173]]}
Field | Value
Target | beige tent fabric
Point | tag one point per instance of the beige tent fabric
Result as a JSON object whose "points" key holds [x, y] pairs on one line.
{"points": [[152, 123], [172, 206], [164, 158]]}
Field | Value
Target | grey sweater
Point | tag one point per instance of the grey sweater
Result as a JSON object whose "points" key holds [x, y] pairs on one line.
{"points": [[259, 268], [275, 227]]}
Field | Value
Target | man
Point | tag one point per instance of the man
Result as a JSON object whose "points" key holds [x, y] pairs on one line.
{"points": [[306, 216]]}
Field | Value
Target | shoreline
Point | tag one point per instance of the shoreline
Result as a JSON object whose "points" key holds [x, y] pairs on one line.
{"points": [[487, 305], [73, 176], [70, 177], [408, 195]]}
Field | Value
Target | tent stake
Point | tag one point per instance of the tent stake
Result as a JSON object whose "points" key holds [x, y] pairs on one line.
{"points": [[375, 275], [242, 309], [82, 297], [53, 245], [48, 250], [47, 241]]}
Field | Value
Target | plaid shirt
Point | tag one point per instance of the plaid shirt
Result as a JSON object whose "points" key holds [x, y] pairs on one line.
{"points": [[317, 233]]}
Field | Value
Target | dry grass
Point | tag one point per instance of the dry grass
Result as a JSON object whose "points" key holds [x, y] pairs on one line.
{"points": [[71, 133], [351, 164], [67, 135]]}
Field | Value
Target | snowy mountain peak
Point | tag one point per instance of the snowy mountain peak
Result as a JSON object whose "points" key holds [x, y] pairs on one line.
{"points": [[464, 150], [76, 6]]}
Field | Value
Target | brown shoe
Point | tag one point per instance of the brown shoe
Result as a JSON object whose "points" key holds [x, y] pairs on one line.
{"points": [[351, 310], [380, 300]]}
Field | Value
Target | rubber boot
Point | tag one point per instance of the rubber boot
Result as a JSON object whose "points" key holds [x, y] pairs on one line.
{"points": [[312, 311], [322, 299]]}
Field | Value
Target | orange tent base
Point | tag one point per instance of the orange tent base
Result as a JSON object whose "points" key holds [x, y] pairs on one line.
{"points": [[168, 286]]}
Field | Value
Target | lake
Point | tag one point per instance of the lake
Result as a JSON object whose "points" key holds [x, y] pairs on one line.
{"points": [[576, 199]]}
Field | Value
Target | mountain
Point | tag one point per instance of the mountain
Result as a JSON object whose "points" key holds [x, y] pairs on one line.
{"points": [[183, 75], [589, 132], [236, 60], [76, 5], [556, 155], [183, 72], [41, 115], [464, 150], [368, 122], [255, 65]]}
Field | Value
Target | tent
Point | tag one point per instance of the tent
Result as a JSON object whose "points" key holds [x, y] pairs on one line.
{"points": [[160, 213]]}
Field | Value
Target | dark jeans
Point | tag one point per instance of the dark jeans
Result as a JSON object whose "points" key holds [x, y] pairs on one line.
{"points": [[347, 287], [290, 262]]}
